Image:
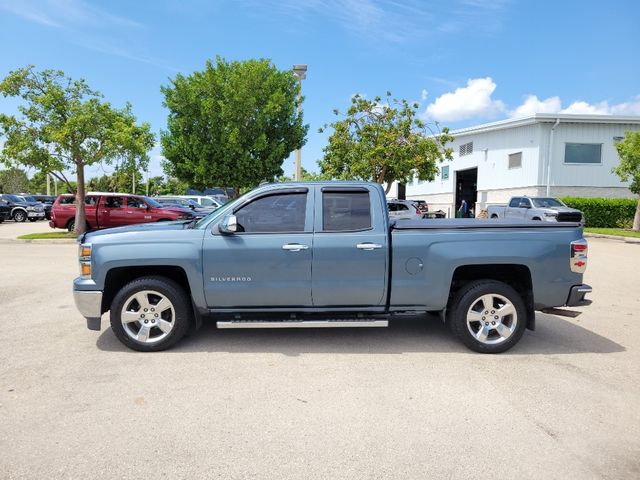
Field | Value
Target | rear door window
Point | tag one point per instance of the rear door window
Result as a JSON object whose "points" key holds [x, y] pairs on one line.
{"points": [[346, 211], [113, 202]]}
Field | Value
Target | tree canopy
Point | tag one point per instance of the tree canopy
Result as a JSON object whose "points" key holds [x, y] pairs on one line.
{"points": [[384, 142], [629, 167], [232, 124], [65, 125], [13, 180]]}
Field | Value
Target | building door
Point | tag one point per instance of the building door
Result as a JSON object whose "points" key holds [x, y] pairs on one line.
{"points": [[467, 190]]}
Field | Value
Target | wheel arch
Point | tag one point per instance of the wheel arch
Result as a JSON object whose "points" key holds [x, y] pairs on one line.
{"points": [[517, 276], [118, 277]]}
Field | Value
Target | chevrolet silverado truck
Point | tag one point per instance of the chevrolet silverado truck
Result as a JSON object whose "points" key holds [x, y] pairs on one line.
{"points": [[536, 208], [325, 254], [105, 210]]}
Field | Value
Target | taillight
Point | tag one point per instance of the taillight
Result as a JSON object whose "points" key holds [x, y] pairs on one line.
{"points": [[578, 260], [418, 212]]}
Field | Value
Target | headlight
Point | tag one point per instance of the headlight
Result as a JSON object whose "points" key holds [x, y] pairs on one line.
{"points": [[31, 208], [550, 214], [84, 254]]}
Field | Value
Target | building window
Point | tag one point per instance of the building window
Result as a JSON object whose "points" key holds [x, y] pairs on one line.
{"points": [[466, 149], [590, 153], [444, 172], [515, 160]]}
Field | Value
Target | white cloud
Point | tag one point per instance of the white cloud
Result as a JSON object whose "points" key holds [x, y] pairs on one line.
{"points": [[533, 105], [472, 101], [476, 101]]}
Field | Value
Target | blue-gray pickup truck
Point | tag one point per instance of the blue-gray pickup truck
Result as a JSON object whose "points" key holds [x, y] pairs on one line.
{"points": [[324, 254]]}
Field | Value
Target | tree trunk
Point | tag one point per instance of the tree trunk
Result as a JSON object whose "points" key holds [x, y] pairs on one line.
{"points": [[81, 218], [388, 188], [636, 218]]}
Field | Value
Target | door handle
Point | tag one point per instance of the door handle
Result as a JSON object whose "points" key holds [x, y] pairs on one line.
{"points": [[294, 247], [368, 246]]}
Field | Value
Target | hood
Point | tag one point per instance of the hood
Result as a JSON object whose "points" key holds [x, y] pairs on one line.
{"points": [[139, 227], [179, 210], [562, 209]]}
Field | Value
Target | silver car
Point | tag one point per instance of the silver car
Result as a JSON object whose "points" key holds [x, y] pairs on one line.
{"points": [[404, 210]]}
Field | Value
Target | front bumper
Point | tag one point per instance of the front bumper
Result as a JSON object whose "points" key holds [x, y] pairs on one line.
{"points": [[577, 294], [89, 304]]}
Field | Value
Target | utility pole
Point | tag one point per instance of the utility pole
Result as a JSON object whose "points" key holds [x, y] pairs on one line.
{"points": [[48, 184], [300, 71]]}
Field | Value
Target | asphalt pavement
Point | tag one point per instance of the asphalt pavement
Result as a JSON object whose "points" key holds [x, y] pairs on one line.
{"points": [[406, 402]]}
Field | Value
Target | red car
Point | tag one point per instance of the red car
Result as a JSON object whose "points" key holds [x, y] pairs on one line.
{"points": [[106, 210]]}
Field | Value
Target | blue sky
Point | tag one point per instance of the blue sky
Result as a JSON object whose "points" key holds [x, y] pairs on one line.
{"points": [[465, 61]]}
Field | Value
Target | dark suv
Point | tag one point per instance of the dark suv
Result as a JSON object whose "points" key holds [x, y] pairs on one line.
{"points": [[22, 209], [5, 210], [47, 201]]}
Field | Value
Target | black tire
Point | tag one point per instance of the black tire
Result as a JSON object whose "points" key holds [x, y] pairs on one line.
{"points": [[470, 296], [537, 219], [71, 225], [494, 216], [174, 293], [33, 219], [19, 216]]}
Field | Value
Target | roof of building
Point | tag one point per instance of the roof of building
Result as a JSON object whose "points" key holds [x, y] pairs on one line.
{"points": [[548, 118]]}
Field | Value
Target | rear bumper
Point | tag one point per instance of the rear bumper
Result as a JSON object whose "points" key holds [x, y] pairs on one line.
{"points": [[89, 304], [577, 294]]}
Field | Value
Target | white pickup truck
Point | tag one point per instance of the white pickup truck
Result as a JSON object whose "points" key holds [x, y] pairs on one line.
{"points": [[536, 208]]}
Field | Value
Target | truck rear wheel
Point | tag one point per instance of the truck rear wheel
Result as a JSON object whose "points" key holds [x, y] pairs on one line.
{"points": [[150, 314], [488, 316]]}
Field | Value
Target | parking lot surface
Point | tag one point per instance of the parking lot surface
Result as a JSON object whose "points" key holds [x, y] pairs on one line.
{"points": [[406, 402]]}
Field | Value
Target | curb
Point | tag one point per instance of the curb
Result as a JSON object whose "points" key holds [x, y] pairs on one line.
{"points": [[42, 241], [613, 237]]}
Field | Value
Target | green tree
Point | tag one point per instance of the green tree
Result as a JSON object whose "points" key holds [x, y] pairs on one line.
{"points": [[232, 124], [13, 180], [384, 142], [305, 176], [38, 182], [64, 125], [629, 167]]}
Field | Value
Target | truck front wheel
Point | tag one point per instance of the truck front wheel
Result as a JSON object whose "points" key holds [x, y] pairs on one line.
{"points": [[150, 314], [19, 216], [488, 316]]}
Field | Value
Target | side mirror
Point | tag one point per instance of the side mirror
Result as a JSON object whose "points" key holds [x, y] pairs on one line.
{"points": [[229, 224], [192, 206]]}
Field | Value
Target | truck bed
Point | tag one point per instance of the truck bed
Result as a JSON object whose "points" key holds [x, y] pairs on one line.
{"points": [[472, 223]]}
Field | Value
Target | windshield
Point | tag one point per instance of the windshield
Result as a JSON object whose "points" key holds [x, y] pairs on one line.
{"points": [[547, 202], [219, 212], [29, 198], [152, 202]]}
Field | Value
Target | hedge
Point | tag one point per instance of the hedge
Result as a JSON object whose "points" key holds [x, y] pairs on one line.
{"points": [[605, 212]]}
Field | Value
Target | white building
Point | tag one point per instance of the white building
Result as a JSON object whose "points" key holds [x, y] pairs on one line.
{"points": [[495, 161]]}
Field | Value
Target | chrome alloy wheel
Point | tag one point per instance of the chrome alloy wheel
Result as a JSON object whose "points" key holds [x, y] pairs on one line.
{"points": [[492, 319], [147, 316]]}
